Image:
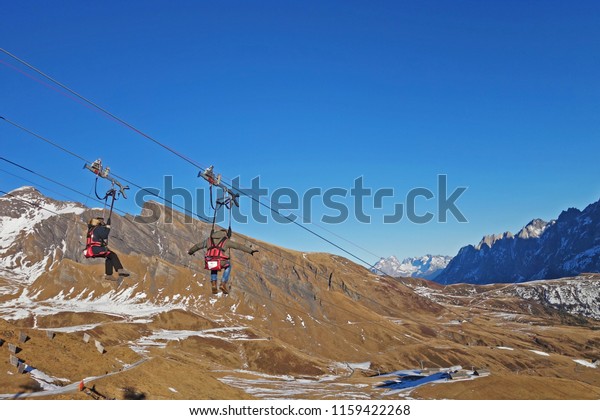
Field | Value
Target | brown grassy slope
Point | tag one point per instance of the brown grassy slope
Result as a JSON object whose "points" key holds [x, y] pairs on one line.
{"points": [[297, 322]]}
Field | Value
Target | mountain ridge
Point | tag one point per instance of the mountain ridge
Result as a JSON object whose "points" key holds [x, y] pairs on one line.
{"points": [[295, 325], [428, 266], [566, 246]]}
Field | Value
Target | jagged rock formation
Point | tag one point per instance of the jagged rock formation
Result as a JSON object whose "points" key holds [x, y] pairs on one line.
{"points": [[563, 247]]}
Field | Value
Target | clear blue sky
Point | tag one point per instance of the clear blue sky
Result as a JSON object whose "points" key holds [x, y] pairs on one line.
{"points": [[502, 96]]}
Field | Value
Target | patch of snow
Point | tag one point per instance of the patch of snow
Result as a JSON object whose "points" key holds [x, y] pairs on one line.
{"points": [[124, 303], [287, 387], [72, 329], [328, 378], [46, 381], [505, 348], [423, 291], [541, 353], [161, 337], [586, 363], [360, 365], [507, 316], [8, 290], [264, 375], [19, 268]]}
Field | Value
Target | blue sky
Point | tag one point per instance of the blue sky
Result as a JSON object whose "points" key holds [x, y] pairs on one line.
{"points": [[501, 96]]}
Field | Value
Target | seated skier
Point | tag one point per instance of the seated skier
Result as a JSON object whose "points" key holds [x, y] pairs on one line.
{"points": [[96, 247]]}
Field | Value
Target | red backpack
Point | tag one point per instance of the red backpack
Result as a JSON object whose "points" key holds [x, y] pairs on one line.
{"points": [[91, 242], [215, 258]]}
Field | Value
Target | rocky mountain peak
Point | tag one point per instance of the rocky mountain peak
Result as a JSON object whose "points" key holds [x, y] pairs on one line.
{"points": [[490, 240], [534, 229], [26, 191]]}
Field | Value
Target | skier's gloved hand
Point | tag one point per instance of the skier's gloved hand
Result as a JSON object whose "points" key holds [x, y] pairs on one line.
{"points": [[108, 222], [190, 252]]}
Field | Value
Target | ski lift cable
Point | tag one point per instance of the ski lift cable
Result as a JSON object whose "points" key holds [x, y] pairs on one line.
{"points": [[393, 310], [186, 158], [217, 180], [48, 85], [152, 192], [44, 139], [98, 107]]}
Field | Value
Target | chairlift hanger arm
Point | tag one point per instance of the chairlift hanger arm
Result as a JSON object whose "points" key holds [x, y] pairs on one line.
{"points": [[122, 188], [103, 172], [209, 176]]}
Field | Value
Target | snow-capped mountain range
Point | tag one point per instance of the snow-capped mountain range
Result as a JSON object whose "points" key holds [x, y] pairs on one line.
{"points": [[426, 267], [564, 247], [25, 214]]}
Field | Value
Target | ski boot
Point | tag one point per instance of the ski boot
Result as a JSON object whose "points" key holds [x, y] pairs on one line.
{"points": [[224, 288]]}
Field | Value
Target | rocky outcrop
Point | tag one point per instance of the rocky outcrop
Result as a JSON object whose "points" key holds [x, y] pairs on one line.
{"points": [[563, 247]]}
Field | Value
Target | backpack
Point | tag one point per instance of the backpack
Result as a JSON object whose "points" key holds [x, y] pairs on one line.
{"points": [[215, 258], [90, 243]]}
